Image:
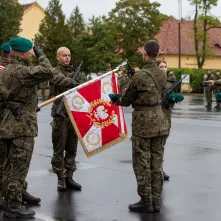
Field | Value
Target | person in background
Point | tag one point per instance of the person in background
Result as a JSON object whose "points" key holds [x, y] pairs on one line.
{"points": [[217, 88], [208, 88]]}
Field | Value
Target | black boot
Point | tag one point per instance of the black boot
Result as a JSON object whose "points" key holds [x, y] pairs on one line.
{"points": [[156, 207], [28, 198], [18, 212], [141, 207], [61, 185], [70, 183], [165, 176]]}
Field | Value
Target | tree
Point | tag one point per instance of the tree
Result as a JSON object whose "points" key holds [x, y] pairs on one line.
{"points": [[10, 19], [203, 22], [53, 31], [76, 22], [133, 22], [97, 47]]}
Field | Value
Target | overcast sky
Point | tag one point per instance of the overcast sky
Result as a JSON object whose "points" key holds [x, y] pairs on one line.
{"points": [[102, 7]]}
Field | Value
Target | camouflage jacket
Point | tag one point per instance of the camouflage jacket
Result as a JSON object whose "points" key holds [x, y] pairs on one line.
{"points": [[61, 82], [123, 82], [20, 80], [171, 79], [3, 92], [148, 118], [217, 82], [3, 62], [207, 78], [217, 87]]}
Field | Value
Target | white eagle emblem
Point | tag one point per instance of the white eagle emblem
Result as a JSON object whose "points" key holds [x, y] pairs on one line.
{"points": [[101, 113]]}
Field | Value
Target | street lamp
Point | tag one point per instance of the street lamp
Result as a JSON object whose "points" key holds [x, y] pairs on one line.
{"points": [[179, 32]]}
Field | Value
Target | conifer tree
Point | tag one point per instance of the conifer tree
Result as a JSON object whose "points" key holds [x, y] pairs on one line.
{"points": [[76, 22], [53, 31]]}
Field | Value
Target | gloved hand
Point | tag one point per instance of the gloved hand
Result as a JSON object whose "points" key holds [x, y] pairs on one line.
{"points": [[38, 109], [37, 51], [176, 97], [114, 97], [218, 96]]}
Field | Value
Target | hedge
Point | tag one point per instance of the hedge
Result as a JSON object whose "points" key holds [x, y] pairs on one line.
{"points": [[196, 77]]}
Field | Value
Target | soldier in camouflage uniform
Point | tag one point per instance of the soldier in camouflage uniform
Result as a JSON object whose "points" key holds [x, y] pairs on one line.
{"points": [[217, 88], [123, 81], [18, 123], [64, 138], [149, 128], [6, 56], [171, 79], [26, 197], [208, 89]]}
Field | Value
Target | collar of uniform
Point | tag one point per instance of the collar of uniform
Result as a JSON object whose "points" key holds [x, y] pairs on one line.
{"points": [[66, 67], [151, 62], [18, 60]]}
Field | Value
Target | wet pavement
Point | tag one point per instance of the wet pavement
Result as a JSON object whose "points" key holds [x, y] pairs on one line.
{"points": [[192, 159]]}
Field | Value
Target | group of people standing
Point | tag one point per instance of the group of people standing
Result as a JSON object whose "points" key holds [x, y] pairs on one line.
{"points": [[210, 89], [151, 123], [18, 122]]}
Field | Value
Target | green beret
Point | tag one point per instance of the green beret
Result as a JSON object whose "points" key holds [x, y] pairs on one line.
{"points": [[21, 44], [6, 47]]}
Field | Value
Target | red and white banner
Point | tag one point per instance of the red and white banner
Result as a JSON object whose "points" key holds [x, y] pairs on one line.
{"points": [[98, 123]]}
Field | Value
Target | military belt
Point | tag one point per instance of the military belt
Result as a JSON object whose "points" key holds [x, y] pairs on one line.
{"points": [[144, 108]]}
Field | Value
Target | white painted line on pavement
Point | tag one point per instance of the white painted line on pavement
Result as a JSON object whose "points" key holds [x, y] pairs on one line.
{"points": [[44, 217]]}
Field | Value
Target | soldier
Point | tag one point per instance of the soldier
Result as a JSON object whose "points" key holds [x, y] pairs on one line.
{"points": [[208, 89], [18, 123], [123, 80], [149, 128], [217, 88], [6, 56], [64, 138], [26, 197]]}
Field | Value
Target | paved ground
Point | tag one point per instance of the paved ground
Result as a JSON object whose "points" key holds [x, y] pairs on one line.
{"points": [[191, 159]]}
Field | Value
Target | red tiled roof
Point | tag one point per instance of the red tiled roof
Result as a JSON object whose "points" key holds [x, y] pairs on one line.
{"points": [[26, 6], [168, 38]]}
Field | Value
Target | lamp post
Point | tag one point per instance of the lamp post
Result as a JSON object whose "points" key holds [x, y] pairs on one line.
{"points": [[179, 31]]}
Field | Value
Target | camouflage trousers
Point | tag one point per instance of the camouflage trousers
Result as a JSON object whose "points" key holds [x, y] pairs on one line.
{"points": [[16, 166], [147, 164], [208, 93], [64, 139], [4, 151]]}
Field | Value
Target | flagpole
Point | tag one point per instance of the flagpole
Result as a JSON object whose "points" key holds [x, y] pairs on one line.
{"points": [[80, 86]]}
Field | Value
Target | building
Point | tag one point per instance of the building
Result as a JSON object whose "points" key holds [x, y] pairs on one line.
{"points": [[32, 17], [168, 40]]}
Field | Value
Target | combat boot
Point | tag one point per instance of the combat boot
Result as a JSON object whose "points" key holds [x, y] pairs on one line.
{"points": [[165, 176], [61, 185], [18, 212], [156, 207], [70, 183], [141, 207], [28, 198]]}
